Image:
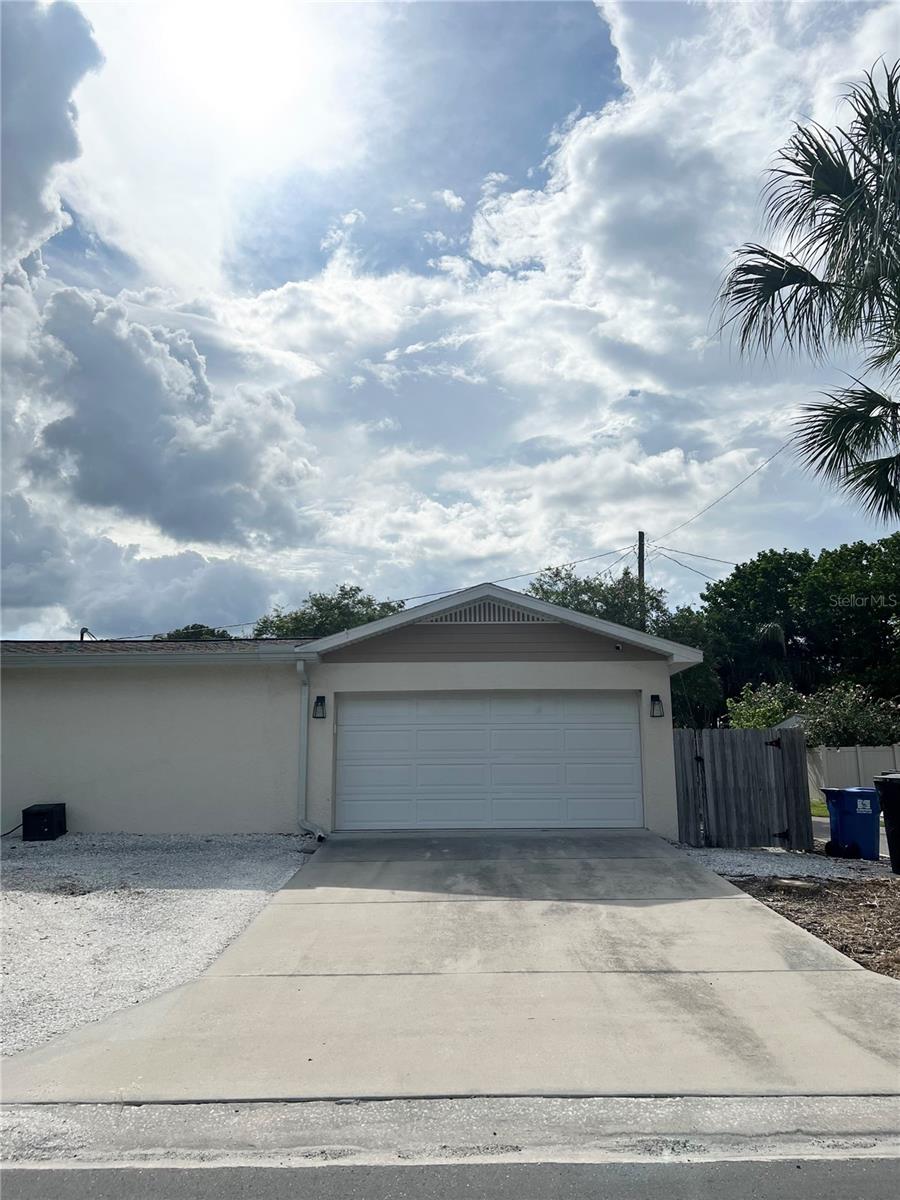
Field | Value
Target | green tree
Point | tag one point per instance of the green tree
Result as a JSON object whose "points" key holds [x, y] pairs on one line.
{"points": [[617, 600], [850, 715], [833, 200], [763, 706], [193, 633], [850, 600], [324, 613], [756, 622], [697, 692]]}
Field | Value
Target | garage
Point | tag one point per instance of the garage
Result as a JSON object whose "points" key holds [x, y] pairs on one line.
{"points": [[444, 760], [481, 709]]}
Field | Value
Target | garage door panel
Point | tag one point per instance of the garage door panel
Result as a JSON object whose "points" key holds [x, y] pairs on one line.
{"points": [[603, 810], [444, 774], [531, 739], [378, 814], [481, 760], [602, 775], [533, 810], [453, 811], [595, 740], [526, 774], [437, 740], [398, 775], [358, 743]]}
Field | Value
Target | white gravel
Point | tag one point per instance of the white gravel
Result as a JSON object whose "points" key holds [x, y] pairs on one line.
{"points": [[95, 922], [786, 864]]}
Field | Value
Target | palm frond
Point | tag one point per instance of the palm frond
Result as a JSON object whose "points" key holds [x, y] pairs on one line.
{"points": [[853, 438], [876, 485], [850, 424], [767, 297], [833, 197]]}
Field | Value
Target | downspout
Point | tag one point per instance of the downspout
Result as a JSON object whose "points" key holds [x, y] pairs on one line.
{"points": [[303, 824]]}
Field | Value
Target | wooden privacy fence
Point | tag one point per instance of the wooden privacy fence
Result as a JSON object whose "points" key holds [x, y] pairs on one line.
{"points": [[743, 787]]}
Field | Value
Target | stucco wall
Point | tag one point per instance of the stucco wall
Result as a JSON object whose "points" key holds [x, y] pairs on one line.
{"points": [[155, 749], [215, 749], [657, 756]]}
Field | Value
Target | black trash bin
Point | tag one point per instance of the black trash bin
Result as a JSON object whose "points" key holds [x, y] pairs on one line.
{"points": [[888, 787]]}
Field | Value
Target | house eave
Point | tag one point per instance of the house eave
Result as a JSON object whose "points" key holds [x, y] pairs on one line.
{"points": [[678, 655]]}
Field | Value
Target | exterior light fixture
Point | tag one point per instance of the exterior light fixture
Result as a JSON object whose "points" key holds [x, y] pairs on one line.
{"points": [[656, 706], [319, 708]]}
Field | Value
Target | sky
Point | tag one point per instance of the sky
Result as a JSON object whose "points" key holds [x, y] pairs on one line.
{"points": [[404, 295]]}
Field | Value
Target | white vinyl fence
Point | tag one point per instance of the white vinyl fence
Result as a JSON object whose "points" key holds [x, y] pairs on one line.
{"points": [[848, 766]]}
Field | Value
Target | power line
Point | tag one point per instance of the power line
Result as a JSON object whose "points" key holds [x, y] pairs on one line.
{"points": [[725, 495], [526, 574], [692, 554], [687, 567], [133, 637]]}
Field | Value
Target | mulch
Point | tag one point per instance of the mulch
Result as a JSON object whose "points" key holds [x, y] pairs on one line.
{"points": [[859, 918]]}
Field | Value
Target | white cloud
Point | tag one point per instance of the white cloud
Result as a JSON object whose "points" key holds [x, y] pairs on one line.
{"points": [[340, 230], [410, 206], [538, 394], [46, 51], [493, 183], [142, 431], [434, 237], [450, 199]]}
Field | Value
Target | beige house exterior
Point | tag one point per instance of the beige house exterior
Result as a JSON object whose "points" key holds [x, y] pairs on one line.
{"points": [[483, 709]]}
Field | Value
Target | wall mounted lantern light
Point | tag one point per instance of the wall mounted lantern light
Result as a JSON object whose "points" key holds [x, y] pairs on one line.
{"points": [[319, 708], [656, 706]]}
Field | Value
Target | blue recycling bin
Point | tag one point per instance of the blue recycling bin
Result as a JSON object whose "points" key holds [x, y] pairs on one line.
{"points": [[855, 814]]}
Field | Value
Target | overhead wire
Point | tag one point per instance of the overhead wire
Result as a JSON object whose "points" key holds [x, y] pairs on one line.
{"points": [[724, 495], [688, 567], [693, 554]]}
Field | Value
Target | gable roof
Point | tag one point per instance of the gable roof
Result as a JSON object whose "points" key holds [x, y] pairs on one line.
{"points": [[678, 656]]}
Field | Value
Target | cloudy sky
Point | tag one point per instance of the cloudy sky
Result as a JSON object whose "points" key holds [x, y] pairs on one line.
{"points": [[409, 295]]}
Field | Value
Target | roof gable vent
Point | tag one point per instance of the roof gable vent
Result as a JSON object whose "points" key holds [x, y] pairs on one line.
{"points": [[485, 612]]}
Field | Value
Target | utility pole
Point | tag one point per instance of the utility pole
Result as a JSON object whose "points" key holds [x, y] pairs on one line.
{"points": [[641, 593]]}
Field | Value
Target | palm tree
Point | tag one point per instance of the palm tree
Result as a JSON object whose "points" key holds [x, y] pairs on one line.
{"points": [[833, 200]]}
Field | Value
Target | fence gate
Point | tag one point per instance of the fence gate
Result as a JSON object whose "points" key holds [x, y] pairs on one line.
{"points": [[743, 787]]}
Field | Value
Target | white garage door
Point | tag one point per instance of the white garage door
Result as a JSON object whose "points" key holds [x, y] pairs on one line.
{"points": [[444, 760]]}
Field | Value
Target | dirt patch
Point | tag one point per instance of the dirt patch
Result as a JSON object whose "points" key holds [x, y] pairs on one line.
{"points": [[859, 918], [69, 887]]}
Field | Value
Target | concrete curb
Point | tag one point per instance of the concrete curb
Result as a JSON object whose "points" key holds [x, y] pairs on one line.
{"points": [[392, 1132]]}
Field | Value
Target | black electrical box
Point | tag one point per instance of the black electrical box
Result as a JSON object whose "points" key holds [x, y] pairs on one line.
{"points": [[43, 822]]}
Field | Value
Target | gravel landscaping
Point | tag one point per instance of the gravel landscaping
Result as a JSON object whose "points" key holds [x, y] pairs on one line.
{"points": [[95, 922], [769, 861]]}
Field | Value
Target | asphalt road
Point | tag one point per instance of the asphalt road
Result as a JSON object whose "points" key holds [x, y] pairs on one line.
{"points": [[830, 1179]]}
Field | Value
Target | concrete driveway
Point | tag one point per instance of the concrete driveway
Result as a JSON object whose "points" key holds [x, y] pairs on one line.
{"points": [[516, 963]]}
